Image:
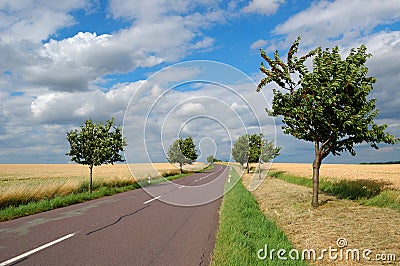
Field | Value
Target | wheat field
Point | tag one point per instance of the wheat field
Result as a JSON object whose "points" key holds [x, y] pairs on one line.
{"points": [[37, 181], [385, 173]]}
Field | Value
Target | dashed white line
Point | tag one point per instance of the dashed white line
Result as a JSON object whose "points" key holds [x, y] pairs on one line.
{"points": [[26, 254], [181, 186], [150, 200]]}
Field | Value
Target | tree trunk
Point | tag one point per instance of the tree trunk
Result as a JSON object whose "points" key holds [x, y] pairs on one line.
{"points": [[248, 168], [180, 166], [90, 178], [316, 167]]}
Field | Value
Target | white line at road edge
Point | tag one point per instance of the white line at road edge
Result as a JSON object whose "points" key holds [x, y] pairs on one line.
{"points": [[26, 254], [148, 201]]}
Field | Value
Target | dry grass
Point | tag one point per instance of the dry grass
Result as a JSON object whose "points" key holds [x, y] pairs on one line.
{"points": [[363, 227], [385, 173], [37, 181]]}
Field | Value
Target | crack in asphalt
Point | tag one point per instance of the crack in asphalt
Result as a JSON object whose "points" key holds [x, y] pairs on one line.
{"points": [[117, 221]]}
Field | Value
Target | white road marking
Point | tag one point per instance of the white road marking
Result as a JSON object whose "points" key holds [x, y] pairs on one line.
{"points": [[181, 186], [150, 200], [26, 254], [201, 178]]}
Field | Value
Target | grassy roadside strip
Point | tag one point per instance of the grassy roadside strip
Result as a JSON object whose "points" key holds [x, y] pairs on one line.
{"points": [[363, 191], [244, 230], [100, 190]]}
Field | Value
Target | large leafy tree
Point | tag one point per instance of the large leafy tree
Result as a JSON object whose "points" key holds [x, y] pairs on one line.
{"points": [[96, 144], [182, 151], [326, 105]]}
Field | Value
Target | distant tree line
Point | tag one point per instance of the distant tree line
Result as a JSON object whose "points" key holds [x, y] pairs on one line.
{"points": [[389, 162], [212, 159]]}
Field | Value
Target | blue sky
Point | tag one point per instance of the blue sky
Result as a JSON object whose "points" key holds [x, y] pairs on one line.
{"points": [[61, 63]]}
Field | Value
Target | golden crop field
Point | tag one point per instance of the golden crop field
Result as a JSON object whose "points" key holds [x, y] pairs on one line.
{"points": [[364, 227], [385, 173], [37, 181]]}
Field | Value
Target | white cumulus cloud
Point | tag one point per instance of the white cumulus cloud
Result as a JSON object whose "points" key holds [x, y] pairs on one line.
{"points": [[258, 44], [264, 7], [339, 20]]}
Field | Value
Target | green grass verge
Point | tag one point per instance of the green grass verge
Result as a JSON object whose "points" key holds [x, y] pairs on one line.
{"points": [[366, 192], [244, 230], [100, 190]]}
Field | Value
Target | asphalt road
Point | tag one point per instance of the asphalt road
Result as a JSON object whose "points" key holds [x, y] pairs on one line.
{"points": [[168, 224]]}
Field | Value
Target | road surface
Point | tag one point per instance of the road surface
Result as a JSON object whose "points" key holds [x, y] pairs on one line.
{"points": [[168, 224]]}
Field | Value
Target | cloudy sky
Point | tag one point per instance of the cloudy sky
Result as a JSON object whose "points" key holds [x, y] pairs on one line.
{"points": [[175, 68]]}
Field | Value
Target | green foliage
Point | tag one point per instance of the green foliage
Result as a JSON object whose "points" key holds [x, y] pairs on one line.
{"points": [[364, 191], [33, 207], [389, 162], [249, 148], [21, 207], [343, 189], [182, 151], [269, 151], [96, 144], [240, 150], [386, 199], [210, 159], [327, 105], [255, 144], [243, 230]]}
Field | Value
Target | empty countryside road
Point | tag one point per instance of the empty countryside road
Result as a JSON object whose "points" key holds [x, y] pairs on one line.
{"points": [[131, 228]]}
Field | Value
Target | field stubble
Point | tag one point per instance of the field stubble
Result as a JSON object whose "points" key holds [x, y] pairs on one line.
{"points": [[364, 227]]}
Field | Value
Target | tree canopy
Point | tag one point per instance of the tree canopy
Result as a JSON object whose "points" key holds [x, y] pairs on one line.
{"points": [[240, 150], [95, 144], [182, 151], [210, 159], [326, 105], [253, 149]]}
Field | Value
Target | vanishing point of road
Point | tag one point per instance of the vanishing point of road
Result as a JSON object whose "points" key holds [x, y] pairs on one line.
{"points": [[172, 223]]}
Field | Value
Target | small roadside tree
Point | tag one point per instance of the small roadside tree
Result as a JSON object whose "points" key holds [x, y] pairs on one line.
{"points": [[261, 150], [210, 159], [269, 151], [255, 145], [327, 105], [253, 149], [96, 144], [182, 151], [240, 150]]}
